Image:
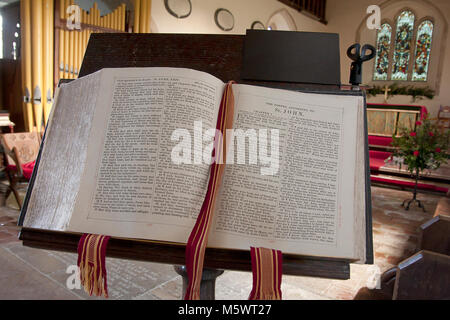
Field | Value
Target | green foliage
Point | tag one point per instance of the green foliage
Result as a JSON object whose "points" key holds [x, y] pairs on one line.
{"points": [[424, 148], [417, 93]]}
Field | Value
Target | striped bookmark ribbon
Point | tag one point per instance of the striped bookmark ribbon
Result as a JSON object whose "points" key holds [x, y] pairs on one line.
{"points": [[91, 264], [195, 248], [267, 268]]}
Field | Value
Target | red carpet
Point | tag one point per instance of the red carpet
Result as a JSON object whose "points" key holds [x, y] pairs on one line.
{"points": [[408, 184], [377, 159]]}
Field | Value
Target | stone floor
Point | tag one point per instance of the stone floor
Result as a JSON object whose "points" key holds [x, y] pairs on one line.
{"points": [[27, 273]]}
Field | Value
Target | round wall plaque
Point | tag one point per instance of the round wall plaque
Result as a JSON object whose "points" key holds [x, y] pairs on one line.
{"points": [[224, 19], [178, 8]]}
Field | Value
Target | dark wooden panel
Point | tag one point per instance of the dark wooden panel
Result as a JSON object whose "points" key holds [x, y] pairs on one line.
{"points": [[174, 254], [214, 54], [313, 8], [219, 55], [424, 276], [299, 57], [435, 235], [11, 95]]}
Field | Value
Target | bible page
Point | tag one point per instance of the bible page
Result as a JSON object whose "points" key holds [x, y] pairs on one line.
{"points": [[131, 187], [295, 189]]}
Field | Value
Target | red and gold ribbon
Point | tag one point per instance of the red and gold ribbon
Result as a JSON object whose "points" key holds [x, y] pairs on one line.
{"points": [[195, 248], [91, 264], [267, 268]]}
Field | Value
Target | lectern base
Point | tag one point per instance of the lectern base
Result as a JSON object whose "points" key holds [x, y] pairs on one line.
{"points": [[208, 284]]}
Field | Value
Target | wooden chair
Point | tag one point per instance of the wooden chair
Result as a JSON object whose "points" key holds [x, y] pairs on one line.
{"points": [[20, 152]]}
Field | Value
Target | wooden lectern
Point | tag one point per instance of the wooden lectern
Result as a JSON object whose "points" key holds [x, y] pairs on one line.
{"points": [[221, 56]]}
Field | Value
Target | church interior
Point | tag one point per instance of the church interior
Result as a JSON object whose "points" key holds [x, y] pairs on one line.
{"points": [[44, 43]]}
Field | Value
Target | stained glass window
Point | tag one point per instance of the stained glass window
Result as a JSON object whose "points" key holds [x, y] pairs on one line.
{"points": [[423, 49], [382, 58], [402, 48]]}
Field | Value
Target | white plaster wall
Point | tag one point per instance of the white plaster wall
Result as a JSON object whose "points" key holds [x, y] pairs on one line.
{"points": [[245, 12]]}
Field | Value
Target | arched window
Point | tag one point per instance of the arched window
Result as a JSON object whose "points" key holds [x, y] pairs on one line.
{"points": [[403, 43], [423, 50], [407, 50], [383, 47]]}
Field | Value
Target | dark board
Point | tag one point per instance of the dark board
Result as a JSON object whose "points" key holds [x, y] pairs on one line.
{"points": [[286, 56]]}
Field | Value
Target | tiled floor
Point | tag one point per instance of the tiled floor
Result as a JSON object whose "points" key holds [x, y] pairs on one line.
{"points": [[27, 273]]}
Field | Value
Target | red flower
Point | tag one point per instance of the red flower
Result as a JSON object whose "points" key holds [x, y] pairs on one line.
{"points": [[413, 134], [438, 150], [416, 153], [418, 123], [431, 134]]}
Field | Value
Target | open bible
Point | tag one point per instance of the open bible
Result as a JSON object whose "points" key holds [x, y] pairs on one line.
{"points": [[127, 153]]}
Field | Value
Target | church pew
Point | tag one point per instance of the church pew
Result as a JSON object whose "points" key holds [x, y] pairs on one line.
{"points": [[424, 276], [433, 256], [435, 235], [443, 207]]}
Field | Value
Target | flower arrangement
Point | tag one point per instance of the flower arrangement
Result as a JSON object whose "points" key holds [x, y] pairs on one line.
{"points": [[425, 147]]}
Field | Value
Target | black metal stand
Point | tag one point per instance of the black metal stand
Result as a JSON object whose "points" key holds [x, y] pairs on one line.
{"points": [[414, 199], [207, 285]]}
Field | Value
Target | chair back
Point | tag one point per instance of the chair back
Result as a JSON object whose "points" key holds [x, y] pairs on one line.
{"points": [[26, 144]]}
